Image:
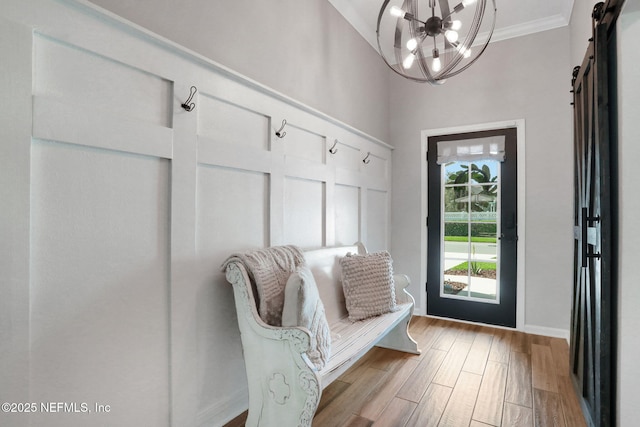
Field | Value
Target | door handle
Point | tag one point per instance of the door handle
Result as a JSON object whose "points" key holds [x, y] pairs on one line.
{"points": [[586, 219], [507, 239]]}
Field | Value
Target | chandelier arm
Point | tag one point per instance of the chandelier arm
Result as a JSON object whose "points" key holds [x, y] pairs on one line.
{"points": [[459, 8], [419, 53], [450, 69], [412, 6], [444, 8], [397, 46], [468, 64], [477, 21], [397, 43], [393, 68], [424, 68], [451, 65]]}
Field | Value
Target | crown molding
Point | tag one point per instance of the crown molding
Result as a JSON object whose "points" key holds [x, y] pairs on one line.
{"points": [[354, 17], [531, 27]]}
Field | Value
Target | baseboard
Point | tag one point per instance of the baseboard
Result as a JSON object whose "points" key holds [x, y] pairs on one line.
{"points": [[224, 410], [529, 329], [451, 319], [548, 332]]}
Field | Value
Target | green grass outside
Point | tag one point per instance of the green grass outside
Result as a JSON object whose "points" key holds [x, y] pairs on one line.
{"points": [[473, 239], [483, 265]]}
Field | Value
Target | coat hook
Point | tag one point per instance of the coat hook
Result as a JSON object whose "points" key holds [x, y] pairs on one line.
{"points": [[367, 160], [333, 149], [279, 132], [188, 105]]}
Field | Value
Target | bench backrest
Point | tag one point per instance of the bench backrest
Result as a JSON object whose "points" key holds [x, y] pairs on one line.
{"points": [[325, 266]]}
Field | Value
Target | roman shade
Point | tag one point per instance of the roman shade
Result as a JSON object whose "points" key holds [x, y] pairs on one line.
{"points": [[470, 150]]}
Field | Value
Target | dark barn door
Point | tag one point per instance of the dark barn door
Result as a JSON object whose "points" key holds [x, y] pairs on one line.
{"points": [[592, 328]]}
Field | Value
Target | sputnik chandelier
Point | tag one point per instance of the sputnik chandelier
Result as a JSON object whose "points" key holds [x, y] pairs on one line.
{"points": [[435, 42]]}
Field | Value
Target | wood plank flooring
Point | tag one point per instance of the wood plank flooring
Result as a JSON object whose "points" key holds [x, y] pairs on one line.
{"points": [[466, 376]]}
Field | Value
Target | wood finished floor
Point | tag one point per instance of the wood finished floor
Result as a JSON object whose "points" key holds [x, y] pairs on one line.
{"points": [[467, 375]]}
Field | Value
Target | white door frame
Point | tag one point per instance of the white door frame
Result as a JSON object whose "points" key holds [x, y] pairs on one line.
{"points": [[519, 124]]}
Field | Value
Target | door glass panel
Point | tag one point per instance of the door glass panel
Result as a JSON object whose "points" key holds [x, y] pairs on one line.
{"points": [[471, 195], [456, 204], [483, 280]]}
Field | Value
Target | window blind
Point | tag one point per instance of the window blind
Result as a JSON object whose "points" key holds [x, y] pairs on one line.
{"points": [[469, 150]]}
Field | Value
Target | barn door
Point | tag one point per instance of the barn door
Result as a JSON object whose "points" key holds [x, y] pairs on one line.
{"points": [[592, 314]]}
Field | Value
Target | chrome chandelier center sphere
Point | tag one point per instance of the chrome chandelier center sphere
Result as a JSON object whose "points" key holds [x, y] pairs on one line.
{"points": [[433, 40], [433, 26]]}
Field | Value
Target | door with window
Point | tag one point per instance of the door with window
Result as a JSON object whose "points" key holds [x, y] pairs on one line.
{"points": [[472, 226]]}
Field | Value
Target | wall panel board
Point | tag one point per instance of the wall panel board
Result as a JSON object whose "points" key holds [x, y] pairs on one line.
{"points": [[232, 216], [135, 203], [377, 220], [227, 123], [304, 211], [89, 80], [100, 282], [347, 214], [302, 143]]}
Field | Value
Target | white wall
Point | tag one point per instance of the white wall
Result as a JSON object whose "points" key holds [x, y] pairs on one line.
{"points": [[524, 78], [629, 231], [581, 26], [304, 49], [119, 207]]}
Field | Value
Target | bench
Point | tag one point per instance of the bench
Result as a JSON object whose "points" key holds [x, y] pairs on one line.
{"points": [[284, 386]]}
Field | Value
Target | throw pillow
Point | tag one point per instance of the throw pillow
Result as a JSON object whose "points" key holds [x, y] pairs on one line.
{"points": [[303, 307], [367, 281]]}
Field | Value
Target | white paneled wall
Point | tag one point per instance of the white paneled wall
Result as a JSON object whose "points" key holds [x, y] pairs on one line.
{"points": [[133, 205], [99, 289]]}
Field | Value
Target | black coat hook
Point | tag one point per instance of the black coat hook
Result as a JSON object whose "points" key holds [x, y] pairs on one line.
{"points": [[279, 132], [188, 105], [367, 160], [333, 149]]}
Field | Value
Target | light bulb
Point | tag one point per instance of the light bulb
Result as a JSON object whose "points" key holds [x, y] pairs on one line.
{"points": [[408, 61], [396, 11], [456, 24], [466, 3], [436, 65], [452, 36], [412, 44]]}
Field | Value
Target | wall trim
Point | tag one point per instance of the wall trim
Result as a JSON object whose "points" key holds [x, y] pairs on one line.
{"points": [[235, 404], [91, 9], [547, 332], [528, 329], [519, 124]]}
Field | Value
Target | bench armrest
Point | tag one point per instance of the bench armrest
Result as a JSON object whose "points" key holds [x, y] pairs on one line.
{"points": [[402, 282], [246, 306], [284, 386]]}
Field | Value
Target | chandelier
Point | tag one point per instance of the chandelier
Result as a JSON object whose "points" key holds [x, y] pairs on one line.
{"points": [[435, 42]]}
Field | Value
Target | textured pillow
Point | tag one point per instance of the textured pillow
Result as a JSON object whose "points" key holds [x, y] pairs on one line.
{"points": [[303, 307], [367, 281]]}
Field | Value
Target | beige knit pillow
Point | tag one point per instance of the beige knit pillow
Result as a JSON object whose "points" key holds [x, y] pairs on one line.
{"points": [[367, 281]]}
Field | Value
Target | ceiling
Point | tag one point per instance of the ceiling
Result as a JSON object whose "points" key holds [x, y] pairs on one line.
{"points": [[514, 17]]}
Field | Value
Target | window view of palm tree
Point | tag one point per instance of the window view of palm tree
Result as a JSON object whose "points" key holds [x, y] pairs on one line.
{"points": [[471, 202]]}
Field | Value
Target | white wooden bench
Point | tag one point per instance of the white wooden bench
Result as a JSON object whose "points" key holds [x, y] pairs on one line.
{"points": [[284, 386]]}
